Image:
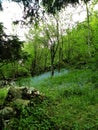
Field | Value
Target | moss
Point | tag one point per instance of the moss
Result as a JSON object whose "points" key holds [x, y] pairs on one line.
{"points": [[3, 94]]}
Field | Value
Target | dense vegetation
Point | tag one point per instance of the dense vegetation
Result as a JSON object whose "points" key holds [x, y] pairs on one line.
{"points": [[48, 49], [66, 101], [71, 103]]}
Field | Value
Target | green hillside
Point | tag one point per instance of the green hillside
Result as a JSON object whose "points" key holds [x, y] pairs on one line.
{"points": [[70, 103]]}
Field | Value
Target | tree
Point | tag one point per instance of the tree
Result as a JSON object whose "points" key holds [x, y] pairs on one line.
{"points": [[52, 33], [89, 28], [46, 43], [32, 7], [38, 48], [10, 48], [52, 6]]}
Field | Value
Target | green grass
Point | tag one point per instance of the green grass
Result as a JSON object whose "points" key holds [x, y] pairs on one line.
{"points": [[72, 103], [76, 79], [74, 100]]}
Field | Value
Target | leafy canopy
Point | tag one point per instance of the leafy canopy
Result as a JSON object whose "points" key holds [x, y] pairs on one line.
{"points": [[32, 7]]}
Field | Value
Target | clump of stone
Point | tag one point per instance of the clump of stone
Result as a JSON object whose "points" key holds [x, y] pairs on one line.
{"points": [[17, 96]]}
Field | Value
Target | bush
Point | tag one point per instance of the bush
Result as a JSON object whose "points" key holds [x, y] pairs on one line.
{"points": [[22, 72], [32, 117]]}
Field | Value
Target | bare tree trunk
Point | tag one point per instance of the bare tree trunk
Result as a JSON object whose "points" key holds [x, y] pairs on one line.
{"points": [[59, 64], [34, 62], [60, 54], [52, 68], [45, 61], [88, 25], [52, 59]]}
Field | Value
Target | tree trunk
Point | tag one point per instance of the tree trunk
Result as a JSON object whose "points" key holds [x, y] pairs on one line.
{"points": [[45, 62], [59, 64], [52, 59], [88, 25], [52, 67]]}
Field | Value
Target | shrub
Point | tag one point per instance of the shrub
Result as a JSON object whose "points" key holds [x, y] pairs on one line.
{"points": [[22, 72], [32, 117]]}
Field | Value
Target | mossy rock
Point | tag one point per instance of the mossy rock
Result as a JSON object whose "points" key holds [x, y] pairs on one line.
{"points": [[15, 93], [7, 112], [20, 102]]}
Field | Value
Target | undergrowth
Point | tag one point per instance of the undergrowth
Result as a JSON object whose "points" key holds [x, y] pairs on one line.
{"points": [[71, 103], [3, 94]]}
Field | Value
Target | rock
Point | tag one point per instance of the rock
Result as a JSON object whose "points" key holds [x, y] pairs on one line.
{"points": [[17, 99], [21, 102], [16, 93], [20, 93], [5, 115], [6, 112]]}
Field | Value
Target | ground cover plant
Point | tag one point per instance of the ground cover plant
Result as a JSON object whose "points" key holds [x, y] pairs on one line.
{"points": [[70, 103]]}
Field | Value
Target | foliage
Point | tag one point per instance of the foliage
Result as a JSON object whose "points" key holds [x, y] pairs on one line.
{"points": [[34, 116], [3, 94], [32, 8], [10, 46], [37, 47], [11, 54], [56, 5], [50, 48], [71, 103], [41, 51], [71, 98]]}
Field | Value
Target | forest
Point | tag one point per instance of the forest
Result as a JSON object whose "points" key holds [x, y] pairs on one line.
{"points": [[49, 81]]}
